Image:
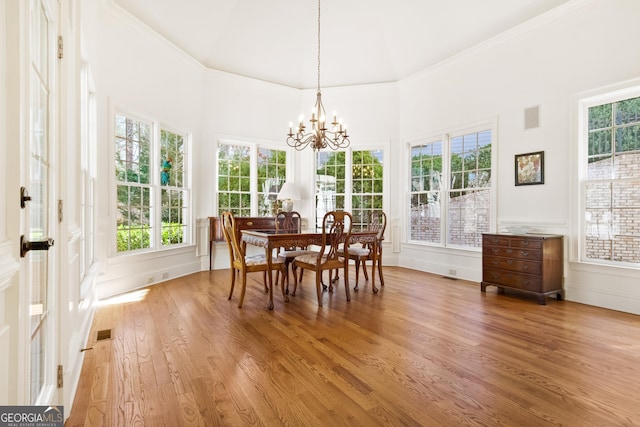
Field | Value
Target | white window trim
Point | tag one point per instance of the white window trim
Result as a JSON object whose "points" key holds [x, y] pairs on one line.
{"points": [[384, 146], [253, 145], [582, 102], [445, 135], [156, 125]]}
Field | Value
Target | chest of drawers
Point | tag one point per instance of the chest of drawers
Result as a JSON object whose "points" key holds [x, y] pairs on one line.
{"points": [[531, 263]]}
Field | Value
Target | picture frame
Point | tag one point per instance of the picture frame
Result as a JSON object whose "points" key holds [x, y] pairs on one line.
{"points": [[529, 168]]}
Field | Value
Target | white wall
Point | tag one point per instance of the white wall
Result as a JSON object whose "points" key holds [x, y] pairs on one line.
{"points": [[138, 70], [582, 46], [544, 63]]}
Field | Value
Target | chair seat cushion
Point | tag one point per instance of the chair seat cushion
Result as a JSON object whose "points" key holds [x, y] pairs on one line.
{"points": [[260, 259], [359, 251], [295, 253], [313, 258]]}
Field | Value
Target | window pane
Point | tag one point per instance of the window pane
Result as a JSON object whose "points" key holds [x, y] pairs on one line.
{"points": [[173, 195], [600, 116], [628, 111], [628, 139], [600, 142], [133, 154], [272, 172], [425, 217], [367, 175], [468, 217], [330, 183], [234, 167], [426, 175], [600, 167], [612, 189]]}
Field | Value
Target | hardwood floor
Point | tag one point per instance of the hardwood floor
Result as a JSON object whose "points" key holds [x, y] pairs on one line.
{"points": [[424, 351]]}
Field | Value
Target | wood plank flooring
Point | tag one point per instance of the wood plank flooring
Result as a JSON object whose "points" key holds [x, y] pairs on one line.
{"points": [[425, 351]]}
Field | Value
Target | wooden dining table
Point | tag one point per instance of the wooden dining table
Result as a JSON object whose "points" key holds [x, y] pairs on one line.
{"points": [[275, 239]]}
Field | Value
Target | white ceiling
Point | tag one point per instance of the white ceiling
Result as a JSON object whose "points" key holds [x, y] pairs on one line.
{"points": [[362, 41]]}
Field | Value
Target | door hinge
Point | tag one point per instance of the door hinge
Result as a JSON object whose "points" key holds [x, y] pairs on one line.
{"points": [[60, 47], [60, 210], [59, 376]]}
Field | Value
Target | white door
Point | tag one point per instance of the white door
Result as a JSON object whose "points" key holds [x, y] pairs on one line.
{"points": [[38, 216]]}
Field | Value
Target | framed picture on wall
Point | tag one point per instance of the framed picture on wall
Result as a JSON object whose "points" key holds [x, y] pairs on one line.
{"points": [[530, 168]]}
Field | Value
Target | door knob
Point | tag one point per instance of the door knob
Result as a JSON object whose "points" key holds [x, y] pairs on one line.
{"points": [[24, 197], [26, 246]]}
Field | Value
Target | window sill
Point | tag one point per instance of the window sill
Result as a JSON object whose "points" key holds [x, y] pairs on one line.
{"points": [[625, 271], [150, 254]]}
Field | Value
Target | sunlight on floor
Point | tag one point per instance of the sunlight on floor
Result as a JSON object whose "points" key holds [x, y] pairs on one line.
{"points": [[134, 296]]}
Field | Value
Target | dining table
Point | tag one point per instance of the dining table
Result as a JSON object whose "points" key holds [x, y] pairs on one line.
{"points": [[274, 239]]}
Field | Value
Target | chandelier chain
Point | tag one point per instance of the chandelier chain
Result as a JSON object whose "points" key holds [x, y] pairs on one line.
{"points": [[323, 132], [318, 45]]}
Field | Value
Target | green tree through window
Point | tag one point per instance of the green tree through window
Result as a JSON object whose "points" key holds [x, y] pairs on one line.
{"points": [[141, 223], [460, 187], [366, 183], [238, 169]]}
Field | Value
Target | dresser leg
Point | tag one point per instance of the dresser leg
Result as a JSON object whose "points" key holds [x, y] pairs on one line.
{"points": [[542, 299]]}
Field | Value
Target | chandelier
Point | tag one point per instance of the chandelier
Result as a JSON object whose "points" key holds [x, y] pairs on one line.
{"points": [[318, 136]]}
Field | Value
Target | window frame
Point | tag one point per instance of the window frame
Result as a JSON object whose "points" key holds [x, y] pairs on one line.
{"points": [[254, 191], [445, 137], [606, 95], [88, 176], [154, 185], [348, 193]]}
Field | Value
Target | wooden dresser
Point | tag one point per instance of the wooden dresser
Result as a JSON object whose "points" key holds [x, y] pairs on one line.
{"points": [[532, 263]]}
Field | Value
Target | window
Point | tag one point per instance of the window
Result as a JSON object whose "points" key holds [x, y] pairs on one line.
{"points": [[249, 179], [87, 183], [151, 185], [272, 171], [366, 178], [610, 188], [450, 189], [349, 180], [174, 195]]}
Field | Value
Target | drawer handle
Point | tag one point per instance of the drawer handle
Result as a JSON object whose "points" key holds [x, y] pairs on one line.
{"points": [[495, 250], [524, 253], [526, 267], [495, 262], [509, 261], [495, 240], [249, 223], [525, 243], [509, 251]]}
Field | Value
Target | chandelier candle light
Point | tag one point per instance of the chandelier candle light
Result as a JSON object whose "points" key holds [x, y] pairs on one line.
{"points": [[319, 136]]}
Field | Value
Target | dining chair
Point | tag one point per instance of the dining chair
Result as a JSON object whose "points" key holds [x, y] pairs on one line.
{"points": [[336, 230], [242, 264], [362, 253], [290, 222]]}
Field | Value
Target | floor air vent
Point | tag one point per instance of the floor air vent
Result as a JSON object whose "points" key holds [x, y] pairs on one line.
{"points": [[104, 335]]}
